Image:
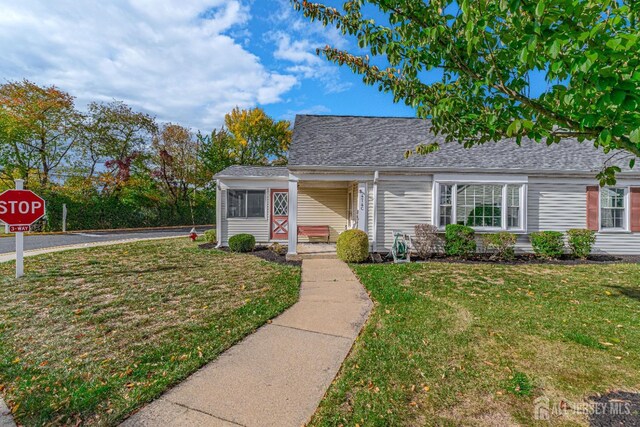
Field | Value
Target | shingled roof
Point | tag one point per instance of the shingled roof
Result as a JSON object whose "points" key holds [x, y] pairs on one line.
{"points": [[380, 142], [257, 171]]}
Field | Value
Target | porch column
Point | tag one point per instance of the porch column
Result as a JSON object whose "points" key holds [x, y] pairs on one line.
{"points": [[362, 206], [218, 214], [293, 215]]}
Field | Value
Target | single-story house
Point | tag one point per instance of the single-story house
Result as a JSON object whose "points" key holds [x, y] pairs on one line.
{"points": [[349, 172]]}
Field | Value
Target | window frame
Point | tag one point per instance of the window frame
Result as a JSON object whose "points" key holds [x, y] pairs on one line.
{"points": [[246, 205], [626, 216], [522, 208]]}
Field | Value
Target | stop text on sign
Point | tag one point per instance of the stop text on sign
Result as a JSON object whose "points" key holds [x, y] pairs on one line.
{"points": [[19, 207]]}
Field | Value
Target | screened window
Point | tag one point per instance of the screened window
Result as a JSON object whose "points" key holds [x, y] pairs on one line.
{"points": [[513, 206], [489, 206], [446, 204], [246, 204], [612, 208]]}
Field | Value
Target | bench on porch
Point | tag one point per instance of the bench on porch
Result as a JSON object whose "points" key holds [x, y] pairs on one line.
{"points": [[314, 231]]}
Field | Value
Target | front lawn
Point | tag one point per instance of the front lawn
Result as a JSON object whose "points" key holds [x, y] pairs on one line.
{"points": [[470, 344], [89, 335]]}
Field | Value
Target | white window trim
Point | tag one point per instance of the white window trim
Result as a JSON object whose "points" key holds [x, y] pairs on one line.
{"points": [[626, 216], [248, 218], [435, 219]]}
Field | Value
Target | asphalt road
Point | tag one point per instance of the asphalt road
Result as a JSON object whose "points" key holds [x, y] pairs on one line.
{"points": [[7, 244]]}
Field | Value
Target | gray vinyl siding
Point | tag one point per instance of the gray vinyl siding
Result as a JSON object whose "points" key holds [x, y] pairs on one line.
{"points": [[401, 205], [561, 206]]}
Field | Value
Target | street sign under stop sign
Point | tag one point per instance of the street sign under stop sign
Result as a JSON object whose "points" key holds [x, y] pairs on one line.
{"points": [[20, 207]]}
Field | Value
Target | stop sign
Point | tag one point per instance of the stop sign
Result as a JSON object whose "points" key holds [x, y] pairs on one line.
{"points": [[20, 207]]}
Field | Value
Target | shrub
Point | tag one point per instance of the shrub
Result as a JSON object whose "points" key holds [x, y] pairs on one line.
{"points": [[242, 243], [501, 243], [210, 236], [459, 240], [277, 248], [353, 246], [581, 241], [426, 240], [547, 244]]}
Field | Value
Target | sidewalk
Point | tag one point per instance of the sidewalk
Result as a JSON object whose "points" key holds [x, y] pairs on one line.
{"points": [[278, 375]]}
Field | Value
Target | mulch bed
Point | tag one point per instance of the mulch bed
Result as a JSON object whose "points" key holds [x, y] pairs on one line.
{"points": [[261, 252], [522, 259], [617, 408]]}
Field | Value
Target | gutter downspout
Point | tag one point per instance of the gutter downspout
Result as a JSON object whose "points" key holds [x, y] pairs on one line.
{"points": [[374, 234]]}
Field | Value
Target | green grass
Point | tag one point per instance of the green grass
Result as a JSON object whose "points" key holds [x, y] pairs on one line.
{"points": [[474, 344], [87, 336]]}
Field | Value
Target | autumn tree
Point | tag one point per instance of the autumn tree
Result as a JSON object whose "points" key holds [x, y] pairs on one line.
{"points": [[175, 152], [39, 126], [249, 137], [487, 51], [14, 161], [258, 139], [217, 151], [115, 136]]}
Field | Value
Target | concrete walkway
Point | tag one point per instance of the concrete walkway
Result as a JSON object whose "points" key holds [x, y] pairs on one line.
{"points": [[6, 419], [278, 375]]}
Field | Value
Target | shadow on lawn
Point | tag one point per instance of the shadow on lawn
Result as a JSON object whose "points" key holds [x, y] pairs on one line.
{"points": [[628, 292]]}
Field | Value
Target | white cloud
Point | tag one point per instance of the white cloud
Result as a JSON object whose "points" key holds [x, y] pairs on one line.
{"points": [[170, 58], [296, 40]]}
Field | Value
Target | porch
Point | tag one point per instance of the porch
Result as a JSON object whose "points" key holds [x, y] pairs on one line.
{"points": [[322, 204]]}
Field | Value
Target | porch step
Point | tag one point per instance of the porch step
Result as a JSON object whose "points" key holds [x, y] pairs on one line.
{"points": [[319, 255]]}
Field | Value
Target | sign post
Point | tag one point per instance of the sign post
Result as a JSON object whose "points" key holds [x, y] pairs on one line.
{"points": [[19, 209], [19, 241]]}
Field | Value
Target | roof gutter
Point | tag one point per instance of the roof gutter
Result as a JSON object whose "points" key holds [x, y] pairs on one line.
{"points": [[252, 177], [408, 170]]}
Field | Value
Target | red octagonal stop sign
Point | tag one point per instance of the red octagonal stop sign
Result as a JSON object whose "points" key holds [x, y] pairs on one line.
{"points": [[20, 207]]}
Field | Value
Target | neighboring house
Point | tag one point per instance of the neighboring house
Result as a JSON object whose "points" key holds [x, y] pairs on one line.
{"points": [[351, 172]]}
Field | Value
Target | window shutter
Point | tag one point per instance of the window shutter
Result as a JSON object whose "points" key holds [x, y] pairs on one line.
{"points": [[634, 193], [593, 193]]}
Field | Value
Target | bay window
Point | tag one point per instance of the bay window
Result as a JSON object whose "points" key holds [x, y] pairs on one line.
{"points": [[246, 204], [481, 206], [613, 209]]}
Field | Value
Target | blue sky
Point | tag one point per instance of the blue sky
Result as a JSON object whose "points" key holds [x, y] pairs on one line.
{"points": [[331, 89], [188, 62]]}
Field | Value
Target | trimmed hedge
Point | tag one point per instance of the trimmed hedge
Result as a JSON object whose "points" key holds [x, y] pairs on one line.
{"points": [[581, 242], [353, 246], [96, 212], [547, 244], [242, 243], [459, 240], [503, 243]]}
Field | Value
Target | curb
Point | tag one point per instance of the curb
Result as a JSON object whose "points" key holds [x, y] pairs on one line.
{"points": [[103, 230]]}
